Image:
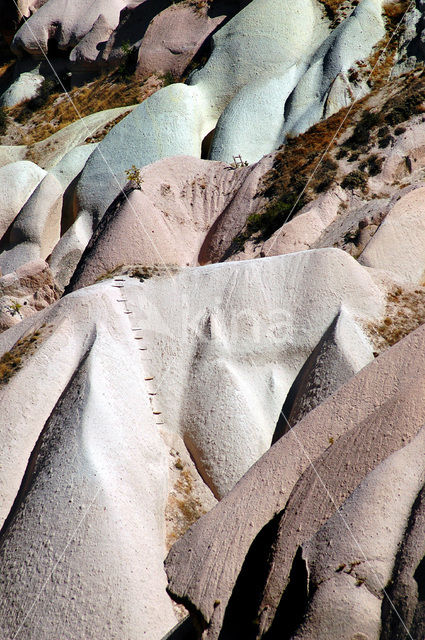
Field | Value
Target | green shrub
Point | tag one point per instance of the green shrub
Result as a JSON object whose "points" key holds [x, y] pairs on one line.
{"points": [[325, 175], [128, 61], [168, 79], [385, 142], [374, 164], [404, 106], [362, 130], [12, 361], [272, 218], [352, 236], [355, 180], [133, 175]]}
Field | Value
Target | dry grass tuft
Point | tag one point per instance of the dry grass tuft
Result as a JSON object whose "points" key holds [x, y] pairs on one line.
{"points": [[183, 508], [140, 271], [13, 360], [405, 312], [106, 92]]}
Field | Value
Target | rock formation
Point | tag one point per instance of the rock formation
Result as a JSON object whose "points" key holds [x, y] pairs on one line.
{"points": [[212, 320]]}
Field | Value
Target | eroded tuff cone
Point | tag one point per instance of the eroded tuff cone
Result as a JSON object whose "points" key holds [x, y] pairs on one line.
{"points": [[72, 348], [349, 561], [18, 180], [171, 218], [364, 430], [341, 353], [67, 24], [292, 99], [84, 540], [397, 246]]}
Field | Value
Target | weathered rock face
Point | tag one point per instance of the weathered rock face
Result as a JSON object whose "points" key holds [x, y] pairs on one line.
{"points": [[66, 25], [303, 91], [397, 246], [172, 40], [13, 12], [110, 502], [353, 554], [360, 431], [412, 51], [340, 354], [173, 332], [131, 407], [176, 120], [171, 218], [25, 87]]}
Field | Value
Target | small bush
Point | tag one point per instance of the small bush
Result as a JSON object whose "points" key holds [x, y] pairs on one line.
{"points": [[3, 121], [46, 89], [362, 130], [355, 180], [405, 105], [272, 218], [168, 79], [325, 175], [128, 62], [352, 237], [12, 361], [399, 130], [374, 164], [133, 175], [385, 142]]}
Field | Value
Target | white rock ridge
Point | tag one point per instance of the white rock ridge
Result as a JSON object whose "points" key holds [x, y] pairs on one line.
{"points": [[267, 45]]}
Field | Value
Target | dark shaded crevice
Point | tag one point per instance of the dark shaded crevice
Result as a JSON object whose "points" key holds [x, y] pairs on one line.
{"points": [[419, 577], [187, 629], [69, 208], [192, 627], [224, 7], [293, 604], [206, 145], [241, 616], [134, 21]]}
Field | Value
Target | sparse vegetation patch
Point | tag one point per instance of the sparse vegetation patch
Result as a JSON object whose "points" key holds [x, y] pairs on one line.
{"points": [[142, 272], [13, 360], [355, 180], [57, 111], [405, 312]]}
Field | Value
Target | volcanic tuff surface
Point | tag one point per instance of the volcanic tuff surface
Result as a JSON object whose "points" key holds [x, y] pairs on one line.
{"points": [[212, 310]]}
